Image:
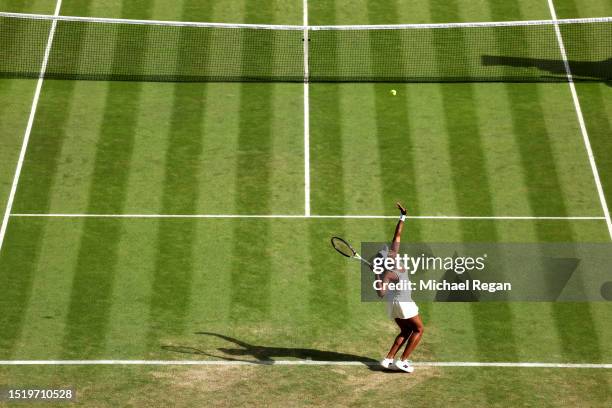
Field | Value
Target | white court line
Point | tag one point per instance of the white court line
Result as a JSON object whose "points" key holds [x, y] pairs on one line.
{"points": [[298, 363], [26, 136], [585, 135], [282, 216], [300, 28], [306, 116]]}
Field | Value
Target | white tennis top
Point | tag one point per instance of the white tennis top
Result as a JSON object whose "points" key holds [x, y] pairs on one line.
{"points": [[404, 294]]}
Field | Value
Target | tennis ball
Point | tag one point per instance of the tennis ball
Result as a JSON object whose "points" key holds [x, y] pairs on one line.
{"points": [[393, 92]]}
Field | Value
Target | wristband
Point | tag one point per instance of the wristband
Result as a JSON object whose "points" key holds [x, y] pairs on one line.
{"points": [[403, 217]]}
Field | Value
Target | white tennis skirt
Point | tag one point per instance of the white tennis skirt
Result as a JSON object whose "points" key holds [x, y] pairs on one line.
{"points": [[402, 310]]}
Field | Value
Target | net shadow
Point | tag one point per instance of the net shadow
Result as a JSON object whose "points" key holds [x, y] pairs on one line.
{"points": [[581, 70]]}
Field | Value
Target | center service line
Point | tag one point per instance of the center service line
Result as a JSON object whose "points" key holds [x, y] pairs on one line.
{"points": [[306, 116]]}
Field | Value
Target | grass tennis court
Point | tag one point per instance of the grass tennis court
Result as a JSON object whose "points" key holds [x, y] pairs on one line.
{"points": [[91, 288]]}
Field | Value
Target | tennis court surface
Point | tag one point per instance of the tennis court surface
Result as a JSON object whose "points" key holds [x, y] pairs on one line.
{"points": [[161, 214]]}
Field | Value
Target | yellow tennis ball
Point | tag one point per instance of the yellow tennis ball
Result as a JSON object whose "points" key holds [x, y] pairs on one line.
{"points": [[393, 92]]}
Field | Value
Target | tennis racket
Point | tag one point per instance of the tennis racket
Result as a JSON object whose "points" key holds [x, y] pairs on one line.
{"points": [[344, 248]]}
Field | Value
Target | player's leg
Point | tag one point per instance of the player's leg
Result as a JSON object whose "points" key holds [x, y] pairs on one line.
{"points": [[417, 332], [399, 341], [401, 338]]}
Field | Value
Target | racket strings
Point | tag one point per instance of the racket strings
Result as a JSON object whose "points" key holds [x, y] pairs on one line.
{"points": [[342, 247]]}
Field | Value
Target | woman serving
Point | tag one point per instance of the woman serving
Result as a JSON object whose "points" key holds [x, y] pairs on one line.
{"points": [[400, 305]]}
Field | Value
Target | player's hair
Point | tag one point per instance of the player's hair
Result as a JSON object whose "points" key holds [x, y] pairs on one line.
{"points": [[374, 258]]}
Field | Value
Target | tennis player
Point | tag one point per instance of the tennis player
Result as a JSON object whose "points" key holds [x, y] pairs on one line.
{"points": [[400, 305]]}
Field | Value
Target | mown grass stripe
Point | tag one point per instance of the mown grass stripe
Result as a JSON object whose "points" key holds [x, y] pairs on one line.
{"points": [[76, 159], [321, 12], [41, 162], [567, 8], [6, 88], [327, 287], [526, 315], [18, 264], [19, 259], [533, 139], [326, 291], [287, 155], [174, 264], [393, 132], [433, 172], [395, 148], [129, 304], [146, 182], [467, 157], [289, 283], [492, 323], [587, 341], [46, 142], [221, 130], [328, 301], [326, 150], [250, 281], [172, 277], [361, 181], [13, 117], [250, 295], [51, 283], [544, 192], [91, 295], [175, 240], [596, 101], [503, 161], [16, 6], [599, 8], [149, 166], [211, 287]]}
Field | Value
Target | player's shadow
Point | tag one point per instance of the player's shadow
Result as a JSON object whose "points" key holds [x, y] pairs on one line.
{"points": [[581, 70], [265, 355]]}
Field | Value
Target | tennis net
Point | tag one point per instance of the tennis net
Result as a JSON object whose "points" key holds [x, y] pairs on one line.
{"points": [[119, 49]]}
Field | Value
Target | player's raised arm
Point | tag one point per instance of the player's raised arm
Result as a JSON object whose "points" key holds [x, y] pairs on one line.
{"points": [[395, 245]]}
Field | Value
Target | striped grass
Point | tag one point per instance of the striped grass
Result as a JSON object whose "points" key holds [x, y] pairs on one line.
{"points": [[123, 288]]}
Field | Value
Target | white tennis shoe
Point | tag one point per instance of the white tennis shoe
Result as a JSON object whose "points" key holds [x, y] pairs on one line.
{"points": [[404, 365], [388, 364]]}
